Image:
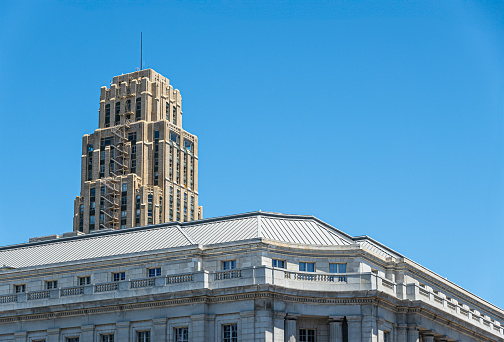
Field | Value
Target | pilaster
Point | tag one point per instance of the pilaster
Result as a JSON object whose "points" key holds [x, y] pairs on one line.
{"points": [[53, 335], [159, 330], [354, 328], [122, 331], [87, 333], [20, 336]]}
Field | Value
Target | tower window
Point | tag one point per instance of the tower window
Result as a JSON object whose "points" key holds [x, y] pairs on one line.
{"points": [[168, 111], [117, 111], [174, 115], [138, 113], [174, 137], [188, 144], [107, 115]]}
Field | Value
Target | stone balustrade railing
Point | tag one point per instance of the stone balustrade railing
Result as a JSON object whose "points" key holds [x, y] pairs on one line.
{"points": [[264, 275]]}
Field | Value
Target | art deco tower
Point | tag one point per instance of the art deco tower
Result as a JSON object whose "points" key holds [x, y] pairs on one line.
{"points": [[139, 167]]}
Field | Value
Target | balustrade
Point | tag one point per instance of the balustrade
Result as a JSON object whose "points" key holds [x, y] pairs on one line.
{"points": [[72, 291], [38, 295]]}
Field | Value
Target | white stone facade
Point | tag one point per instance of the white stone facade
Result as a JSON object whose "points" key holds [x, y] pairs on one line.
{"points": [[238, 274]]}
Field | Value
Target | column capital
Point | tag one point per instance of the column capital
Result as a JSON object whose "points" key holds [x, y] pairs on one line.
{"points": [[292, 316], [20, 334], [354, 319], [336, 319]]}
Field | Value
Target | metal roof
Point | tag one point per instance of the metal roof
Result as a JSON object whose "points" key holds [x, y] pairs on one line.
{"points": [[306, 230]]}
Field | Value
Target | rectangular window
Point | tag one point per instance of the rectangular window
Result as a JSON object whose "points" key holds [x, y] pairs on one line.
{"points": [[155, 272], [230, 333], [117, 111], [107, 115], [188, 144], [124, 187], [138, 113], [143, 336], [107, 338], [168, 111], [174, 115], [229, 265], [84, 280], [386, 336], [306, 335], [181, 334], [52, 284], [20, 288], [72, 339], [278, 263], [118, 276], [337, 268], [307, 266], [174, 137]]}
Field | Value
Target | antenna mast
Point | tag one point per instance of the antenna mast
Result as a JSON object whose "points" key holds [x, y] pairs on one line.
{"points": [[141, 50]]}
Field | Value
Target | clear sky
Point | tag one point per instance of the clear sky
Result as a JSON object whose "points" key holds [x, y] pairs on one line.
{"points": [[380, 118]]}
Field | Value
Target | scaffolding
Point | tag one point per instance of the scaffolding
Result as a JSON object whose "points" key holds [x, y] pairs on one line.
{"points": [[110, 208]]}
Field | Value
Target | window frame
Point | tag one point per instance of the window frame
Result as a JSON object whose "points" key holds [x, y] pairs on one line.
{"points": [[106, 337], [232, 264], [276, 261], [338, 267], [146, 338], [51, 284], [235, 331], [87, 280], [156, 270], [307, 337], [22, 287], [121, 276], [306, 263], [176, 335]]}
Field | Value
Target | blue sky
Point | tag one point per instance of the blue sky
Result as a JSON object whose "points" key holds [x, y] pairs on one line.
{"points": [[381, 118]]}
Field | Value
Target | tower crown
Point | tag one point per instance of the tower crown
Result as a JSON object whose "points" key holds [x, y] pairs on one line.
{"points": [[140, 166]]}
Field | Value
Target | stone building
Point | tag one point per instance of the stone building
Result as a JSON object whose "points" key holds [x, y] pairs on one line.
{"points": [[139, 167], [249, 277]]}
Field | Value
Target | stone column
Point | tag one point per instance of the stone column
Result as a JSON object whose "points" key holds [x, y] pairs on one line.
{"points": [[336, 331], [369, 326], [290, 329], [401, 333], [354, 328], [159, 329], [20, 336], [413, 335], [278, 326], [53, 335], [428, 338], [87, 333], [122, 331]]}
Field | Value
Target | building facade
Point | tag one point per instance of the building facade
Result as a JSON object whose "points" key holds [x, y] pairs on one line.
{"points": [[140, 166], [249, 277]]}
